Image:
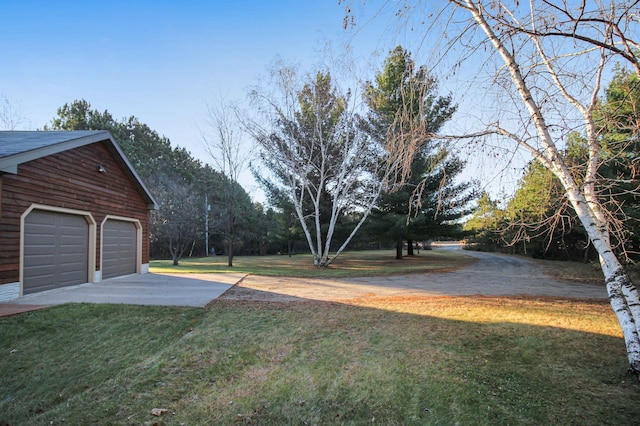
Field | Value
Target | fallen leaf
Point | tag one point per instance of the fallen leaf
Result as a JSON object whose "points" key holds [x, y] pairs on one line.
{"points": [[158, 411]]}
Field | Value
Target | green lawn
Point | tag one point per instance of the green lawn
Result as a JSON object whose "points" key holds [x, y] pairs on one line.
{"points": [[357, 263], [409, 361], [481, 361]]}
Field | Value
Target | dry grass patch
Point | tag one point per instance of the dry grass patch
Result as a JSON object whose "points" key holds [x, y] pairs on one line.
{"points": [[582, 272], [570, 314], [410, 361]]}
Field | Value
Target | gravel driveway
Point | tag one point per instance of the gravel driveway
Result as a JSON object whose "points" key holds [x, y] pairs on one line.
{"points": [[493, 275]]}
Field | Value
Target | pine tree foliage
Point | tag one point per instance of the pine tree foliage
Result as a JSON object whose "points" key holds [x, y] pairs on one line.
{"points": [[405, 106], [179, 182]]}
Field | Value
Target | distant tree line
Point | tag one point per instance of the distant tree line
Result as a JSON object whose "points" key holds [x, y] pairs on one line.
{"points": [[349, 163], [186, 190]]}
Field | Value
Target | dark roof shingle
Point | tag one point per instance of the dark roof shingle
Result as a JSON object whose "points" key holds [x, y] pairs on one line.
{"points": [[17, 147], [20, 142]]}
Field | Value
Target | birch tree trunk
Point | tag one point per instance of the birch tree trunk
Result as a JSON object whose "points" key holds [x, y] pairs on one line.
{"points": [[550, 57], [623, 295], [325, 166]]}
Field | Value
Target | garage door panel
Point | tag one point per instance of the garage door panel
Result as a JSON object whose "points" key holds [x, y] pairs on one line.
{"points": [[42, 231], [76, 277], [72, 263], [39, 255], [72, 240], [43, 235], [56, 250], [119, 248], [40, 271], [73, 247]]}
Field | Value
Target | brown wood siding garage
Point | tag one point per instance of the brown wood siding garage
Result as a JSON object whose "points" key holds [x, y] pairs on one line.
{"points": [[71, 175], [56, 250], [119, 245]]}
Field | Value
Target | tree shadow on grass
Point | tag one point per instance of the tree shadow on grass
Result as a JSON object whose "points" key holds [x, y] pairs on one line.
{"points": [[382, 360]]}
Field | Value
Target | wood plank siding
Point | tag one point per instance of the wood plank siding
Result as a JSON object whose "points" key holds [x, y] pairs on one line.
{"points": [[70, 180]]}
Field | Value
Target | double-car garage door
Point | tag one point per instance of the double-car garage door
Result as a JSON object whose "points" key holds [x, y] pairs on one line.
{"points": [[56, 250]]}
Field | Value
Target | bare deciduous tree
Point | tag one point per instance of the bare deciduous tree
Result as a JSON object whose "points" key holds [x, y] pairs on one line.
{"points": [[549, 59], [328, 169], [176, 222], [228, 151], [231, 157], [10, 117]]}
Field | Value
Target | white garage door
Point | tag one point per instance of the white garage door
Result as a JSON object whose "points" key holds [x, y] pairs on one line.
{"points": [[56, 250], [119, 248]]}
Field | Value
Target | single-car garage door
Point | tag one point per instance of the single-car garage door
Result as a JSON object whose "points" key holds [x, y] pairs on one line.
{"points": [[56, 250], [119, 248]]}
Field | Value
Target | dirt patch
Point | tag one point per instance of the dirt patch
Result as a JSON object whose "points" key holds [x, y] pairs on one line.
{"points": [[241, 292]]}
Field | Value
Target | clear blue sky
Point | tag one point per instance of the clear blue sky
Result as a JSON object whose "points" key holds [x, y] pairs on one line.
{"points": [[163, 61]]}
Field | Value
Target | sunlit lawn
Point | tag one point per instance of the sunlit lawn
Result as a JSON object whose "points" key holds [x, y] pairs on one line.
{"points": [[396, 360], [355, 263], [420, 361]]}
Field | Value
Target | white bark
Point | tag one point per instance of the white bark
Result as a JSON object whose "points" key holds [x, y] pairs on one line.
{"points": [[336, 163], [622, 293]]}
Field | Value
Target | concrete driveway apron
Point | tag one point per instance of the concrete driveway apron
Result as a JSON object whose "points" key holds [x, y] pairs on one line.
{"points": [[144, 289]]}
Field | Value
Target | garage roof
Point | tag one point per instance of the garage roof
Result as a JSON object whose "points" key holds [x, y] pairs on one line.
{"points": [[17, 147]]}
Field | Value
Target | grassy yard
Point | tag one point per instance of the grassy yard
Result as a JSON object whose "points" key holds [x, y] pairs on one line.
{"points": [[480, 361], [409, 361], [582, 272], [374, 262], [349, 264]]}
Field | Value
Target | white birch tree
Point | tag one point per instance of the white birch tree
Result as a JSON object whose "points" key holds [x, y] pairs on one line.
{"points": [[328, 170], [549, 60]]}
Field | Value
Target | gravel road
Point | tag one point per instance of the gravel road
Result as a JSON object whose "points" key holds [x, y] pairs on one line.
{"points": [[493, 275]]}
